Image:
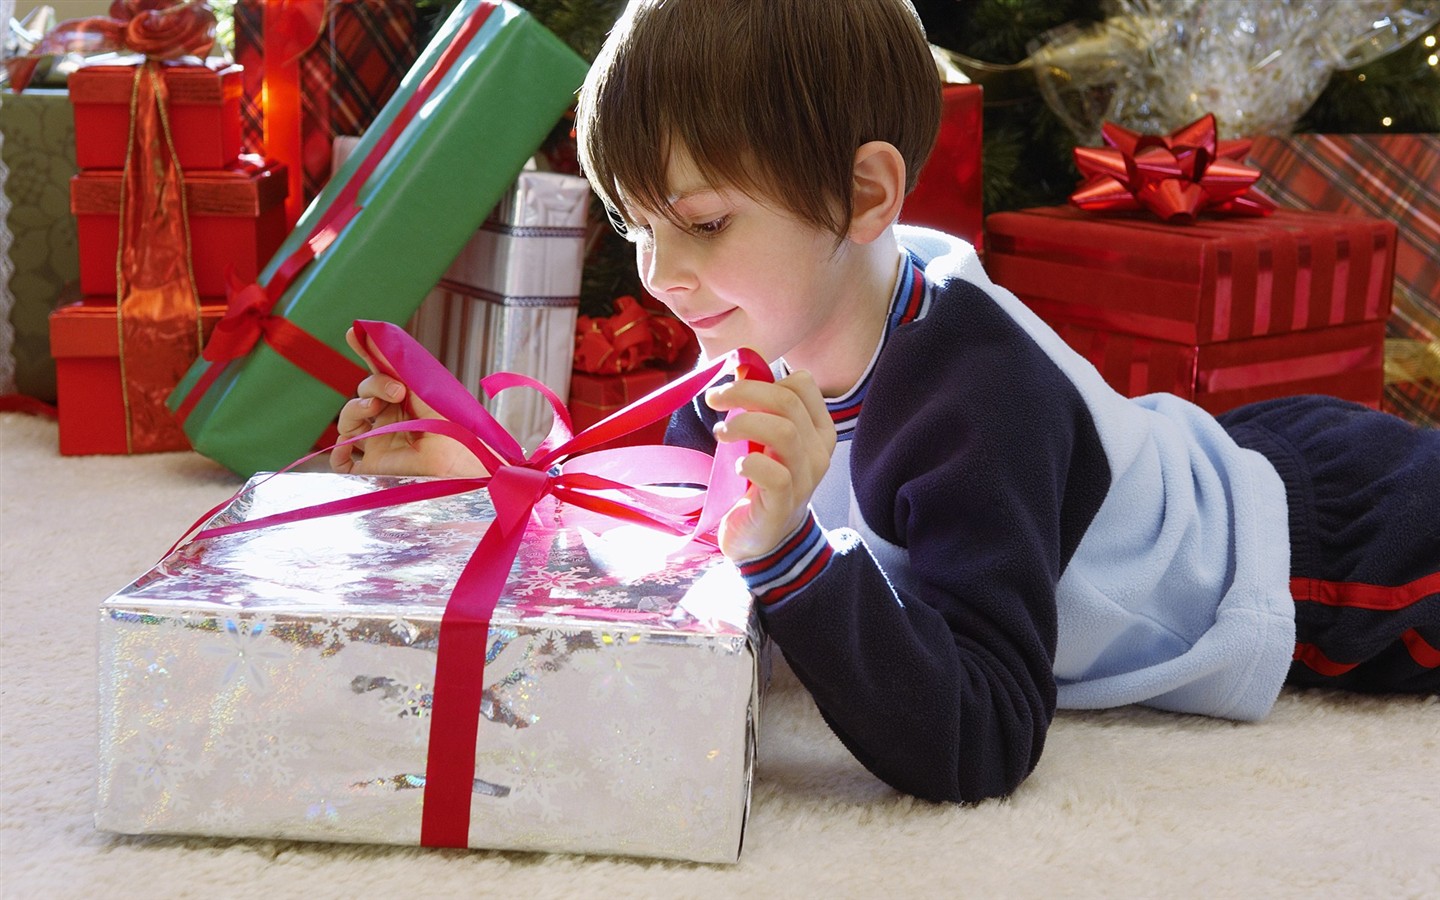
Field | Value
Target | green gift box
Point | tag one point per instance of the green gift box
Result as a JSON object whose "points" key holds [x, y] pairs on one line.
{"points": [[425, 196], [39, 151]]}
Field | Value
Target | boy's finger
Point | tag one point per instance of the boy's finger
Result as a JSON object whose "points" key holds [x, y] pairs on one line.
{"points": [[802, 383], [367, 351]]}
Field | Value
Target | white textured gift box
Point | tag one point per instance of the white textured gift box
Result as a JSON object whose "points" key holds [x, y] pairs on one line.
{"points": [[277, 683], [509, 301]]}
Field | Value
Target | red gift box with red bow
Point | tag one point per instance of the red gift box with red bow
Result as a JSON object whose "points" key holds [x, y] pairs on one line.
{"points": [[621, 358], [1170, 272], [1222, 312]]}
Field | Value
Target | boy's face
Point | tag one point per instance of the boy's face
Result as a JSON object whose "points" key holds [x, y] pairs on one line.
{"points": [[740, 271]]}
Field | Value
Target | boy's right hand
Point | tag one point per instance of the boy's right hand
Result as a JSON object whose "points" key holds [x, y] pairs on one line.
{"points": [[381, 401]]}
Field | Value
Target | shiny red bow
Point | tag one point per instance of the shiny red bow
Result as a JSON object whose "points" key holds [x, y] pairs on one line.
{"points": [[159, 29], [1175, 176], [626, 340]]}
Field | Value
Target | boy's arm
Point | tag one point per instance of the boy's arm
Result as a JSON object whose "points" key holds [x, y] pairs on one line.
{"points": [[975, 480]]}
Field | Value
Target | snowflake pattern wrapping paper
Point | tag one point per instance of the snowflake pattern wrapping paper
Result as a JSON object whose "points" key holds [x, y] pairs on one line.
{"points": [[276, 683]]}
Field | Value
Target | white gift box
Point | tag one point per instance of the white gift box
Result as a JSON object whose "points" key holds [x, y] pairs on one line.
{"points": [[277, 683], [509, 301]]}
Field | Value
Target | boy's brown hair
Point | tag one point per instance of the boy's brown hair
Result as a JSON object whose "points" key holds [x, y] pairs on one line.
{"points": [[772, 97]]}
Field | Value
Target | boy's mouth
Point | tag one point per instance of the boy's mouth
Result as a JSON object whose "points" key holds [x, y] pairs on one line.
{"points": [[703, 322]]}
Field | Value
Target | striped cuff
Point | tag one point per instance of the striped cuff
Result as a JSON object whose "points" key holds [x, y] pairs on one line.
{"points": [[788, 568]]}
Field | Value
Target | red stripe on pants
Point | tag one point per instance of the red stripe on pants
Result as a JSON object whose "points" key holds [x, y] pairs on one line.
{"points": [[1364, 596]]}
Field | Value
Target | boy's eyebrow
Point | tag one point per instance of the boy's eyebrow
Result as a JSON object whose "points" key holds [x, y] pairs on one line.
{"points": [[681, 196]]}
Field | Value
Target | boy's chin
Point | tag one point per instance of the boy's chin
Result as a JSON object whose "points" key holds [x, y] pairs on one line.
{"points": [[710, 350]]}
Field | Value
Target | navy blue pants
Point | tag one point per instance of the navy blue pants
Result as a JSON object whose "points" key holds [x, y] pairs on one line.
{"points": [[1363, 489]]}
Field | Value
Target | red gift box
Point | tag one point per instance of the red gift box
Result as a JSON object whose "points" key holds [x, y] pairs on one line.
{"points": [[1224, 311], [948, 195], [593, 397], [204, 114], [341, 60], [1345, 361], [236, 219], [84, 341]]}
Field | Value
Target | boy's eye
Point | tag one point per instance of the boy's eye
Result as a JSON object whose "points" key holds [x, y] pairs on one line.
{"points": [[712, 227]]}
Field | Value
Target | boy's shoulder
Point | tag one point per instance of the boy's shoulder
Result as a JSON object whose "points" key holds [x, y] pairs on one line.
{"points": [[969, 356]]}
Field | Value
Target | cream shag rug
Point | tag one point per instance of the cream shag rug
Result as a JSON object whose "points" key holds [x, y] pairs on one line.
{"points": [[1333, 796]]}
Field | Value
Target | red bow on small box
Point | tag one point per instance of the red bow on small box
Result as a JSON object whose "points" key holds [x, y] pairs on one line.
{"points": [[626, 340], [159, 29], [1175, 176]]}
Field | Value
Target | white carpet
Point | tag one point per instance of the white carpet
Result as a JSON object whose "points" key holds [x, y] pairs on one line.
{"points": [[1332, 796]]}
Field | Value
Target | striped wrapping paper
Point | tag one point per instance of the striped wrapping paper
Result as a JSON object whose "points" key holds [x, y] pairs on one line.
{"points": [[508, 302], [1389, 176], [1223, 312]]}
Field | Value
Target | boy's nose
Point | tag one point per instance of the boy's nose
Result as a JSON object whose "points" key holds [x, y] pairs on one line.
{"points": [[665, 267]]}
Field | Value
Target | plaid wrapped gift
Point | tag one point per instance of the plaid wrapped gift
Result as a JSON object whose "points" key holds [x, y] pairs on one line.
{"points": [[351, 57], [1389, 176]]}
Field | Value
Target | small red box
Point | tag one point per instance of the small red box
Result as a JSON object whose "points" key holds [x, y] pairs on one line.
{"points": [[84, 341], [593, 397], [1224, 311], [236, 216], [204, 114], [948, 195]]}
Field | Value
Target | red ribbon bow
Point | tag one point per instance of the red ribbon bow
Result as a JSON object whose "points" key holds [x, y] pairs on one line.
{"points": [[249, 319], [610, 482], [622, 342], [1175, 176], [159, 29]]}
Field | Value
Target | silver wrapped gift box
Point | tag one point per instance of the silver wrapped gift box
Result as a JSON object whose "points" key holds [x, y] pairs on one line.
{"points": [[509, 301], [277, 683]]}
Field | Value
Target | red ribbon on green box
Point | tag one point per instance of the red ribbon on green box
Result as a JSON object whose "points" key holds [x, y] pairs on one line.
{"points": [[447, 145]]}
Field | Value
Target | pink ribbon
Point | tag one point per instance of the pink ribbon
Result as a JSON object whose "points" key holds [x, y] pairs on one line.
{"points": [[517, 482]]}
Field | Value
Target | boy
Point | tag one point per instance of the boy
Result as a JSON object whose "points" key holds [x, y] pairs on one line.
{"points": [[954, 525]]}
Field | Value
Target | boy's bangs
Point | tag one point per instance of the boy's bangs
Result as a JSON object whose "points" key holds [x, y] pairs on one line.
{"points": [[632, 133]]}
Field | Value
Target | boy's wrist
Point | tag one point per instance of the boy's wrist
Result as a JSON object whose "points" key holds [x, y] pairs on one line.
{"points": [[794, 563]]}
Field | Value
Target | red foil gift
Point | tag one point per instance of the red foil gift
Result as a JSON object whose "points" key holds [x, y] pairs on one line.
{"points": [[84, 339], [949, 195], [621, 358], [236, 218], [315, 69], [1293, 302]]}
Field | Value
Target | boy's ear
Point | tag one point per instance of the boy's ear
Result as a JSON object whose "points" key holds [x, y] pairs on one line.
{"points": [[878, 187]]}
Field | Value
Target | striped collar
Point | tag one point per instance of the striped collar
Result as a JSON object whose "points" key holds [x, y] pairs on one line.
{"points": [[910, 301]]}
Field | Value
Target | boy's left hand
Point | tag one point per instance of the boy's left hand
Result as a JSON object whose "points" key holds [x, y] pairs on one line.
{"points": [[789, 421]]}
